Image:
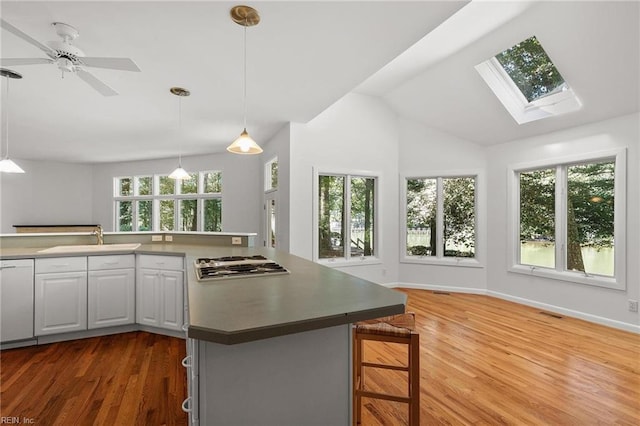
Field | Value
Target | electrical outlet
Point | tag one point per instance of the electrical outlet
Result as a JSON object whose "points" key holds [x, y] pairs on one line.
{"points": [[633, 305], [168, 238], [236, 240], [156, 238]]}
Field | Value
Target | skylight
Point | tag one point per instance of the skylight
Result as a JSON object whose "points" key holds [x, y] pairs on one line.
{"points": [[528, 84]]}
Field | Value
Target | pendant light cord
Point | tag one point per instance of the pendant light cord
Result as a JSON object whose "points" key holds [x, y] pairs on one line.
{"points": [[245, 73], [179, 131]]}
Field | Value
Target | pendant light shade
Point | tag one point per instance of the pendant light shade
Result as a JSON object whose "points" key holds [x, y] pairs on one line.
{"points": [[179, 173], [247, 17], [244, 144], [6, 164]]}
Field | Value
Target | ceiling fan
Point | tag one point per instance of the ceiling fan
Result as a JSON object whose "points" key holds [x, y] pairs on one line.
{"points": [[69, 58]]}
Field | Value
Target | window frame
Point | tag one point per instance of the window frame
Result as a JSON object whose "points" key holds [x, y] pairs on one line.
{"points": [[268, 175], [156, 197], [559, 272], [347, 260], [509, 94], [439, 258]]}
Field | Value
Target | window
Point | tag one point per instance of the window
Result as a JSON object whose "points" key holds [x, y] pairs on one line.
{"points": [[570, 220], [271, 174], [346, 217], [440, 218], [527, 82], [159, 203]]}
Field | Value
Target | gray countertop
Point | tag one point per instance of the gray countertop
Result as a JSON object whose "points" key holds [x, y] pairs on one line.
{"points": [[239, 310]]}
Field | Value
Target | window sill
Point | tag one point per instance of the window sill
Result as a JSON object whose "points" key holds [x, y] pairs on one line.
{"points": [[593, 280], [447, 261], [342, 262]]}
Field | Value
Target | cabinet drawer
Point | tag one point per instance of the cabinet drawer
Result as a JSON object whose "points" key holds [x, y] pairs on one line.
{"points": [[174, 263], [99, 263], [61, 264]]}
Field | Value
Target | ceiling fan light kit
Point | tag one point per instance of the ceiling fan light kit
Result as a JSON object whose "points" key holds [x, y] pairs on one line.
{"points": [[68, 58], [6, 164], [247, 17], [179, 173]]}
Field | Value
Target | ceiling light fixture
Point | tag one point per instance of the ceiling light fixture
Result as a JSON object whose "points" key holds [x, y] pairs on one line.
{"points": [[6, 164], [247, 17], [179, 173]]}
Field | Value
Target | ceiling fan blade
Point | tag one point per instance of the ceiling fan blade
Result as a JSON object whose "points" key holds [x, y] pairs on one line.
{"points": [[94, 82], [123, 64], [9, 62], [46, 49]]}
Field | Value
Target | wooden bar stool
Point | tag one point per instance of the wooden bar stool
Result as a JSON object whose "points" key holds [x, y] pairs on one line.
{"points": [[395, 329]]}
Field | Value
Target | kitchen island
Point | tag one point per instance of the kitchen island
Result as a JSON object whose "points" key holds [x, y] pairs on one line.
{"points": [[276, 350], [267, 350]]}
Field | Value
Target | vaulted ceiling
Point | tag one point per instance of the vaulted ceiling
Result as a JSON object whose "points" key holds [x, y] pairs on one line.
{"points": [[303, 56]]}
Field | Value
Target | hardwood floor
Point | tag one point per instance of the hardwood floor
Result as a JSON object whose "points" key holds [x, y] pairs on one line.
{"points": [[483, 361], [489, 361], [124, 379]]}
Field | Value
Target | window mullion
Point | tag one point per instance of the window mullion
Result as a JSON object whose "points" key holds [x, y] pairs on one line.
{"points": [[347, 217], [561, 218], [439, 219]]}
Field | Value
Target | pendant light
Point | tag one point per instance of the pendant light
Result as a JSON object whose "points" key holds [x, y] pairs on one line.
{"points": [[179, 173], [6, 164], [247, 17]]}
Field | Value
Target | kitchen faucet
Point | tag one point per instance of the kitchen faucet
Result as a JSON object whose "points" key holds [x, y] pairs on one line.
{"points": [[99, 234]]}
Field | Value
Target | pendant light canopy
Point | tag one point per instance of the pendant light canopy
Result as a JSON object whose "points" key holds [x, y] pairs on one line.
{"points": [[247, 17], [179, 173], [6, 164]]}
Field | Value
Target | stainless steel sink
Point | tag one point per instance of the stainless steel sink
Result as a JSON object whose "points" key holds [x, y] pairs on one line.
{"points": [[92, 248]]}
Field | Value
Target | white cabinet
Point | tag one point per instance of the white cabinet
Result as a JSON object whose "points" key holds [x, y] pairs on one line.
{"points": [[111, 290], [159, 291], [60, 295], [16, 299]]}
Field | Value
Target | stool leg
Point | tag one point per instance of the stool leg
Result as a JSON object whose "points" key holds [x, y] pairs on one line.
{"points": [[357, 379], [414, 380]]}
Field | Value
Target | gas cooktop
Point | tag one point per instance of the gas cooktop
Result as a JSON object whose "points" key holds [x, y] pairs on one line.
{"points": [[217, 268]]}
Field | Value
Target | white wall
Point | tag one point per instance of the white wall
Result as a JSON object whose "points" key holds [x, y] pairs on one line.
{"points": [[279, 146], [356, 133], [241, 196], [47, 193], [595, 303], [427, 152]]}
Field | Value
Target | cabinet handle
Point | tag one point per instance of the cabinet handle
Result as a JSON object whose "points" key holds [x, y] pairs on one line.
{"points": [[110, 263], [8, 267], [60, 265], [185, 327], [186, 362], [186, 405]]}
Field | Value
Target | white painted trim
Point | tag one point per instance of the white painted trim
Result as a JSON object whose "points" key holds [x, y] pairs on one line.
{"points": [[633, 328]]}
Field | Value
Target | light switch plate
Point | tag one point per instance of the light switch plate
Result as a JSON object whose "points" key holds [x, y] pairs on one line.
{"points": [[156, 238], [168, 237], [236, 240]]}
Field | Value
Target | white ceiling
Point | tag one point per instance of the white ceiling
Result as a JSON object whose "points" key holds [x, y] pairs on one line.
{"points": [[302, 57]]}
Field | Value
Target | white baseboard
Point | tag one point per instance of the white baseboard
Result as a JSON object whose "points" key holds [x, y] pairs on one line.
{"points": [[633, 328]]}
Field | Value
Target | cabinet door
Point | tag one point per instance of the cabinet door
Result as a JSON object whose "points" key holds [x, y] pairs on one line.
{"points": [[16, 299], [60, 303], [148, 297], [171, 287], [111, 296]]}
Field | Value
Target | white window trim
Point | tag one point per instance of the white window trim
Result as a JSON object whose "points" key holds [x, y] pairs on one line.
{"points": [[377, 244], [476, 262], [267, 175], [514, 101], [156, 197], [618, 282]]}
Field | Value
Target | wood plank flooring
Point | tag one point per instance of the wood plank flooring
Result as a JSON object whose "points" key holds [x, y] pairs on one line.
{"points": [[124, 379], [492, 362], [483, 361]]}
